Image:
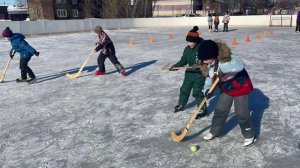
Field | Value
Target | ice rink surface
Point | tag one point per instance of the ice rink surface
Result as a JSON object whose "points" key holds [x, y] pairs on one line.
{"points": [[109, 121]]}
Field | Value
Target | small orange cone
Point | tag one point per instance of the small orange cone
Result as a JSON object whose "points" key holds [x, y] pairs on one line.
{"points": [[151, 39], [265, 34], [271, 32], [248, 40], [170, 36], [234, 42], [258, 36], [131, 41]]}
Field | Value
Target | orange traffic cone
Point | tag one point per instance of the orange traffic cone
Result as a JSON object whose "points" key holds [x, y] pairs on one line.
{"points": [[131, 41], [248, 40], [151, 39], [271, 32], [170, 36], [234, 42], [265, 34], [258, 36]]}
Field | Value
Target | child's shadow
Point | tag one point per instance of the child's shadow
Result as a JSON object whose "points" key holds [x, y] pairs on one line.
{"points": [[92, 68], [135, 67], [258, 103]]}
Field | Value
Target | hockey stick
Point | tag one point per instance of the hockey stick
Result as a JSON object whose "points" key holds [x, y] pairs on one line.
{"points": [[2, 76], [75, 75], [183, 133], [166, 67]]}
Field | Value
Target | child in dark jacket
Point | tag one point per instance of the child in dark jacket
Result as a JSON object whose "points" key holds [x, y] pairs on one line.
{"points": [[193, 79], [298, 22], [19, 45], [235, 85], [107, 51]]}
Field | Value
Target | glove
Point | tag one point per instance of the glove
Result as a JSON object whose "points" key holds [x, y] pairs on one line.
{"points": [[12, 53], [172, 68], [36, 53], [194, 66], [206, 94], [97, 43]]}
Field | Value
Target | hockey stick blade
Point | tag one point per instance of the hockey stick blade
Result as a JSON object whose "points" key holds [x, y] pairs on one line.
{"points": [[180, 137], [2, 77], [73, 76]]}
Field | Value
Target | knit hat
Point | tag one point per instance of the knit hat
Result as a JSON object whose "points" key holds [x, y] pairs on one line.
{"points": [[193, 35], [98, 29], [208, 49], [7, 32]]}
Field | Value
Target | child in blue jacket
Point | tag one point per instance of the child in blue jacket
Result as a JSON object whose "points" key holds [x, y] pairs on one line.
{"points": [[19, 45]]}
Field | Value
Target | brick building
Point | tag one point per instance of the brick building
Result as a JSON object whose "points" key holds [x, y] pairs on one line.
{"points": [[63, 9]]}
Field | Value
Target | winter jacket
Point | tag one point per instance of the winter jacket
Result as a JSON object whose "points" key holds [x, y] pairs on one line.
{"points": [[19, 44], [210, 20], [298, 17], [105, 44], [234, 79], [190, 58], [216, 20], [226, 19]]}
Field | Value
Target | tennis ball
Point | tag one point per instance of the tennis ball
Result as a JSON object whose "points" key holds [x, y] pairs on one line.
{"points": [[193, 148]]}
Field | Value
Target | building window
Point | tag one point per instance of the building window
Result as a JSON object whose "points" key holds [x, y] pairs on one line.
{"points": [[74, 2], [60, 1], [61, 12], [75, 12]]}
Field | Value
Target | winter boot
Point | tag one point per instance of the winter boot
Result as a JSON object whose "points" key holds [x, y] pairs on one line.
{"points": [[19, 80], [97, 73], [31, 80], [178, 107], [209, 136], [249, 141], [123, 73], [201, 114]]}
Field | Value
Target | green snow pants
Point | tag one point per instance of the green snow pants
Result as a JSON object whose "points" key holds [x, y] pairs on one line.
{"points": [[195, 81]]}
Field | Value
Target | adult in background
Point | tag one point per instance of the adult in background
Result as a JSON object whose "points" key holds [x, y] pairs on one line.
{"points": [[298, 22]]}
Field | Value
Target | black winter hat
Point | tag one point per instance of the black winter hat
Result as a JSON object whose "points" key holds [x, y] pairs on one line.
{"points": [[193, 35], [208, 49]]}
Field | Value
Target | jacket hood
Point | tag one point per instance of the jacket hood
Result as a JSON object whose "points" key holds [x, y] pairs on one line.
{"points": [[18, 36], [224, 51]]}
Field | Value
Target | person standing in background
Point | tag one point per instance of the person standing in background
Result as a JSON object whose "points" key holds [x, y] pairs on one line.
{"points": [[210, 22], [216, 23], [225, 20], [298, 22]]}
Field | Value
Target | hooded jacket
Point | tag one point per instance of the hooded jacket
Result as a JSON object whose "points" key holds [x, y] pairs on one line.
{"points": [[298, 17], [234, 79], [19, 44]]}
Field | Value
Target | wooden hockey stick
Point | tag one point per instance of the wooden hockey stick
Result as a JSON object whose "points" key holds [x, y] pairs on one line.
{"points": [[166, 67], [75, 75], [2, 76], [183, 133]]}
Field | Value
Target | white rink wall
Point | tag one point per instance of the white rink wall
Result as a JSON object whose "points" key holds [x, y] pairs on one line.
{"points": [[65, 26]]}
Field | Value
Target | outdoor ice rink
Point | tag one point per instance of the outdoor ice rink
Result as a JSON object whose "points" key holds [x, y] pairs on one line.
{"points": [[114, 122]]}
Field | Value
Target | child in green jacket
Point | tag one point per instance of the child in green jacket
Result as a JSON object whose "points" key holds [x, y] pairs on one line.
{"points": [[193, 79]]}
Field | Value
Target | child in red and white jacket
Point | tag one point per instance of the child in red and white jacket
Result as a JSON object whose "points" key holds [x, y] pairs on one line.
{"points": [[235, 85], [107, 51]]}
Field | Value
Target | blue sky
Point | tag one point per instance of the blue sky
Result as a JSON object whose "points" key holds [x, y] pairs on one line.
{"points": [[7, 2]]}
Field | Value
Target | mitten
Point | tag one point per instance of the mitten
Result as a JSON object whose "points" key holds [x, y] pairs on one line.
{"points": [[12, 53], [36, 53], [194, 66], [207, 94]]}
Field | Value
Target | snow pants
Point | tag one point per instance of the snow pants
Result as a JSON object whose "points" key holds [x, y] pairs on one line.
{"points": [[113, 59], [241, 110], [195, 81], [25, 68]]}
